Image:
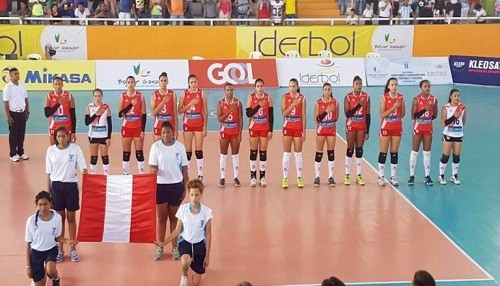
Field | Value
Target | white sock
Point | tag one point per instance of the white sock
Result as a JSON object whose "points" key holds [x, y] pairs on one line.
{"points": [[236, 165], [331, 166], [126, 167], [427, 162], [93, 169], [286, 163], [317, 169], [253, 166], [199, 163], [263, 166], [105, 168], [454, 168], [394, 168], [298, 163], [413, 161], [348, 161], [442, 168], [359, 165], [142, 167], [381, 170], [222, 166]]}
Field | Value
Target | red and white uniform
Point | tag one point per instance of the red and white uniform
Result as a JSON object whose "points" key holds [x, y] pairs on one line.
{"points": [[456, 128], [193, 118], [327, 126], [62, 116], [99, 127], [260, 120], [166, 113], [423, 124], [230, 126], [132, 120], [357, 122], [392, 124], [292, 124]]}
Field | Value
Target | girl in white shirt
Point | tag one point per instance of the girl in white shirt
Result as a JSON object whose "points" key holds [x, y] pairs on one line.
{"points": [[43, 231], [195, 229]]}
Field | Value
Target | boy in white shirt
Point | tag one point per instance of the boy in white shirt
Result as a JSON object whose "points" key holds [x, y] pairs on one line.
{"points": [[480, 12], [368, 14], [405, 11], [352, 18], [277, 11]]}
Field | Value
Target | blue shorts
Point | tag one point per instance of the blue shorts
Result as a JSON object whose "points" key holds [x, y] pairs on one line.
{"points": [[200, 251], [65, 196], [169, 193], [38, 260]]}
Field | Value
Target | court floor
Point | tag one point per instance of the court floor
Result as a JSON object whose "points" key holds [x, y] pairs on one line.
{"points": [[364, 235]]}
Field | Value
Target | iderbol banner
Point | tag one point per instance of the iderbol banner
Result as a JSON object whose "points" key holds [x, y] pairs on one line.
{"points": [[239, 72], [112, 75], [408, 71], [475, 70], [316, 71]]}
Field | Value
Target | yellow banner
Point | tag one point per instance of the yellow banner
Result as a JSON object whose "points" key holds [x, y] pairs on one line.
{"points": [[161, 42], [342, 41], [38, 75], [20, 40]]}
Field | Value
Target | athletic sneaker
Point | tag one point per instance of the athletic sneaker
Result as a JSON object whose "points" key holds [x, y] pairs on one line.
{"points": [[331, 182], [300, 182], [184, 281], [411, 181], [317, 181], [60, 255], [222, 183], [263, 182], [360, 181], [56, 282], [394, 181], [253, 182], [347, 180], [284, 183], [237, 182], [24, 156], [159, 253], [74, 255], [428, 181], [442, 180], [381, 181], [175, 253], [455, 180], [15, 158]]}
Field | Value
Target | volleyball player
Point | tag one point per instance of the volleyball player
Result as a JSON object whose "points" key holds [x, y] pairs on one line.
{"points": [[163, 107], [60, 110]]}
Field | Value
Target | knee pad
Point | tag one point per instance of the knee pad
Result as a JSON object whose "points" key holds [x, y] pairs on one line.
{"points": [[126, 156], [331, 155], [456, 159], [382, 157], [262, 156], [359, 152], [253, 155], [189, 155], [394, 158], [318, 157], [139, 155], [198, 154], [105, 160], [349, 152], [445, 158], [93, 160]]}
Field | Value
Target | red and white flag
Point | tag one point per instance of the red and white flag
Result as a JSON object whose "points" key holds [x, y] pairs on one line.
{"points": [[118, 208]]}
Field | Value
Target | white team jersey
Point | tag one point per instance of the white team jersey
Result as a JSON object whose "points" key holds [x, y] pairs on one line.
{"points": [[99, 127], [170, 160], [43, 235], [193, 225], [62, 164], [456, 128], [277, 10]]}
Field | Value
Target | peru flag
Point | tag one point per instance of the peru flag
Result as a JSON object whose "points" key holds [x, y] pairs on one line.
{"points": [[118, 208]]}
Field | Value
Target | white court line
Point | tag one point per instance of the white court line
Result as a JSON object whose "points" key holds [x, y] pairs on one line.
{"points": [[395, 282]]}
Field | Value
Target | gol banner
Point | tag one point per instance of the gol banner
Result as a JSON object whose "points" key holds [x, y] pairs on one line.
{"points": [[20, 40]]}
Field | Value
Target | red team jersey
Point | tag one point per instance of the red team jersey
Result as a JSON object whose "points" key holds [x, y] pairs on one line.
{"points": [[294, 120], [231, 124], [260, 120], [166, 113], [357, 122], [133, 118], [62, 116], [393, 120], [193, 117], [424, 122], [327, 126]]}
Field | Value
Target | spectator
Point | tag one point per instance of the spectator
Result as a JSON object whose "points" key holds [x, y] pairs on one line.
{"points": [[423, 278], [24, 11], [343, 7], [209, 10], [112, 7], [479, 12], [332, 281], [360, 5], [425, 8], [263, 11], [82, 13], [291, 11], [457, 7], [497, 8], [4, 10], [243, 10], [448, 12], [465, 9], [75, 3], [395, 7], [225, 7], [156, 8], [374, 5], [103, 12], [67, 11], [405, 11], [176, 9], [439, 9], [140, 8], [368, 14], [54, 13], [352, 19], [37, 10], [385, 13], [277, 12], [189, 12], [125, 11]]}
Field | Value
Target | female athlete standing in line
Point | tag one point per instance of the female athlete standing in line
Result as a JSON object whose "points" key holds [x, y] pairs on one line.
{"points": [[163, 107]]}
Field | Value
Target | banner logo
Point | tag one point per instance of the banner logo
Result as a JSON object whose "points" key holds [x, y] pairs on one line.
{"points": [[141, 73], [34, 76], [234, 73]]}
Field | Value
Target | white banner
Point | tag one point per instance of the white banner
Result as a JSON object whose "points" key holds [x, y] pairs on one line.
{"points": [[317, 71], [408, 71], [69, 42], [393, 41], [112, 75]]}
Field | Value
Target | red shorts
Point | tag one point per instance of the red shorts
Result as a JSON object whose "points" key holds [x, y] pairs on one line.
{"points": [[223, 135], [131, 132], [52, 131], [422, 132], [350, 128], [329, 133], [390, 132], [259, 133], [186, 128], [293, 132]]}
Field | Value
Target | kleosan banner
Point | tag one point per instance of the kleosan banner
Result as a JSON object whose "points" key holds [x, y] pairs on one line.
{"points": [[316, 71], [475, 70], [112, 75], [239, 72]]}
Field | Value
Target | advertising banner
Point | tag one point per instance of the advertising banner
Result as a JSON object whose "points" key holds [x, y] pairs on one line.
{"points": [[393, 41], [112, 75], [241, 73], [20, 40], [408, 71], [69, 42], [316, 71], [38, 75], [475, 70]]}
